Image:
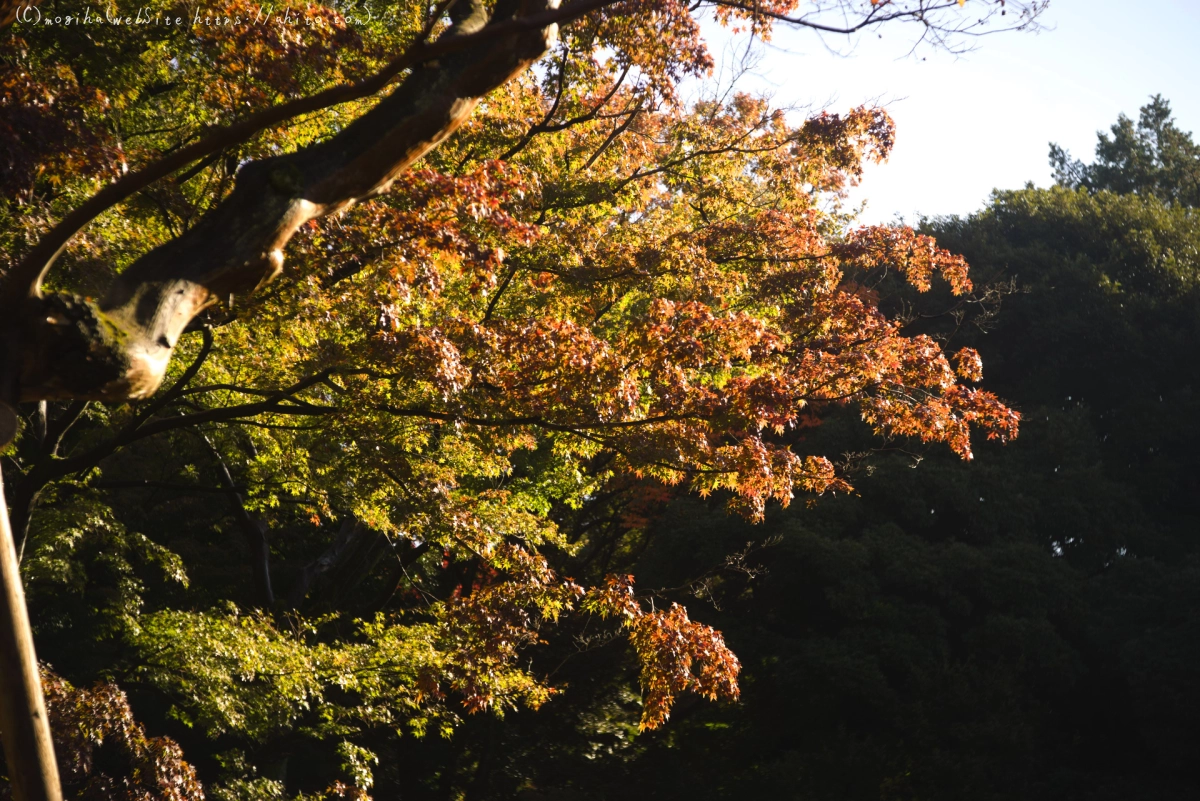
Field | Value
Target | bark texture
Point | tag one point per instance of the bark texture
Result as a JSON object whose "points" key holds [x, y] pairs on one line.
{"points": [[61, 347]]}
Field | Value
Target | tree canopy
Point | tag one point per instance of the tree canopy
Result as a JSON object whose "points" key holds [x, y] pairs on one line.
{"points": [[1019, 627], [521, 309], [1152, 157]]}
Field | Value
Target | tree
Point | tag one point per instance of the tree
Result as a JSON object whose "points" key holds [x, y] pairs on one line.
{"points": [[1019, 628], [585, 282], [107, 752], [1151, 158]]}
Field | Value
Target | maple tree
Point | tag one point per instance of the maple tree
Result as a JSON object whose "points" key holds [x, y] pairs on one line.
{"points": [[134, 765], [1020, 628], [586, 286], [1001, 631]]}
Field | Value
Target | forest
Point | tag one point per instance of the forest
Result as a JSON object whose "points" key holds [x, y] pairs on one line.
{"points": [[480, 400]]}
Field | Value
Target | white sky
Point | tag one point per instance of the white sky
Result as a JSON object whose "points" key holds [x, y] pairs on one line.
{"points": [[984, 120]]}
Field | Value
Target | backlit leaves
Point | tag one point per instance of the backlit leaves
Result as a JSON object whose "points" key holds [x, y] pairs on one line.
{"points": [[676, 654], [591, 296]]}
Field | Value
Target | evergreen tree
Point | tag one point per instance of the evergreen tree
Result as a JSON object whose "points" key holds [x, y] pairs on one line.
{"points": [[1152, 157]]}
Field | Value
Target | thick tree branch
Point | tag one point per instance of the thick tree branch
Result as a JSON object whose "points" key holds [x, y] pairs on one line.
{"points": [[28, 275], [118, 349]]}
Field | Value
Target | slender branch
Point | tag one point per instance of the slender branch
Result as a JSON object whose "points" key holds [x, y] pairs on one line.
{"points": [[534, 420], [39, 423], [162, 485], [617, 131], [874, 17], [558, 96], [545, 126], [160, 402], [141, 428], [58, 428], [487, 315], [253, 531], [349, 535], [197, 168]]}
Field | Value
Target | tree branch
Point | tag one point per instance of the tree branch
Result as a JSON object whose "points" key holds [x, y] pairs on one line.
{"points": [[68, 348], [29, 274], [253, 532], [58, 428], [349, 536]]}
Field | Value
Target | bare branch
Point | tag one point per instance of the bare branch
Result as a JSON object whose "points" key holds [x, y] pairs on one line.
{"points": [[253, 531]]}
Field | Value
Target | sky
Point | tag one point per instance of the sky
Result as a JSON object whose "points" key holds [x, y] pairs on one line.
{"points": [[972, 123]]}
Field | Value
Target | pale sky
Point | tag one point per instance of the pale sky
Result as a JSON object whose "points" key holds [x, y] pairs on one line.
{"points": [[984, 120]]}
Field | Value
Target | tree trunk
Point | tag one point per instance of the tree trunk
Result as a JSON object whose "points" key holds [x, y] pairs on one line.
{"points": [[24, 727]]}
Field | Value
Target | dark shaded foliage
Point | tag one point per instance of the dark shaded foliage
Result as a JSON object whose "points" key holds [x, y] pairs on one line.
{"points": [[104, 754]]}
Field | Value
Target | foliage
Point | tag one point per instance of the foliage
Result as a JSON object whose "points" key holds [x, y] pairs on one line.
{"points": [[352, 514], [1022, 627], [1152, 158], [676, 654], [105, 755]]}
